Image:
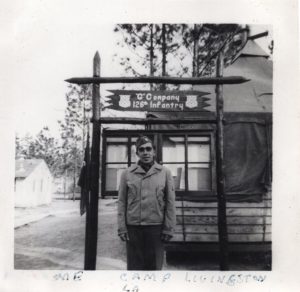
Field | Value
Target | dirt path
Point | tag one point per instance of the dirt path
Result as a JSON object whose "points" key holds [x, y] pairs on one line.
{"points": [[57, 242]]}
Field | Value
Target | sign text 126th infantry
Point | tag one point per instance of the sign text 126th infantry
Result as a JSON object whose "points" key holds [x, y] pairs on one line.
{"points": [[145, 100]]}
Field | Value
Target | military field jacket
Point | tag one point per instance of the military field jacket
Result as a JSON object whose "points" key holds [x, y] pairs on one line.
{"points": [[146, 198]]}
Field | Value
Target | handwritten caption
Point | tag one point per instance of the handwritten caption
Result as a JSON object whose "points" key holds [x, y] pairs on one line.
{"points": [[68, 276], [132, 280]]}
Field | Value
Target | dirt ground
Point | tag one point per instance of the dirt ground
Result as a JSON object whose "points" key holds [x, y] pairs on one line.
{"points": [[57, 242]]}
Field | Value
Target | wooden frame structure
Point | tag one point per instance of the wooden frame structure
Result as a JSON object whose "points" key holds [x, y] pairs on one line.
{"points": [[96, 80]]}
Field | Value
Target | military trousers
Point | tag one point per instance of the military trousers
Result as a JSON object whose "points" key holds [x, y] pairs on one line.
{"points": [[145, 249]]}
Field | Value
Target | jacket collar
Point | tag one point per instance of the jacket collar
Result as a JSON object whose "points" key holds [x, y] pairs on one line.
{"points": [[138, 169]]}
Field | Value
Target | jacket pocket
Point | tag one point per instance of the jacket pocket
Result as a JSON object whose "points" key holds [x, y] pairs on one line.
{"points": [[160, 196], [132, 193], [132, 203]]}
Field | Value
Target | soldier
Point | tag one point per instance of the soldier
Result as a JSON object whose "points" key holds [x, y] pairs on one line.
{"points": [[146, 209]]}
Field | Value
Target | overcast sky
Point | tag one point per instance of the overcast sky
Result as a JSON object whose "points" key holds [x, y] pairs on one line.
{"points": [[50, 45], [50, 52]]}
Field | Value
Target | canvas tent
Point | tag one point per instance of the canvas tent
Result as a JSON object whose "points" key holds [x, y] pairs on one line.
{"points": [[247, 126]]}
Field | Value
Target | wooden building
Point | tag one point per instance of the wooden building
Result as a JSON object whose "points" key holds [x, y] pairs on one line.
{"points": [[33, 183], [189, 150], [217, 141]]}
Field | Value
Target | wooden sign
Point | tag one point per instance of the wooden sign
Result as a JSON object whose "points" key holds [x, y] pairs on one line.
{"points": [[146, 100]]}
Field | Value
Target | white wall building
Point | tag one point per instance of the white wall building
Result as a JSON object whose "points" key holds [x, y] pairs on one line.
{"points": [[33, 183]]}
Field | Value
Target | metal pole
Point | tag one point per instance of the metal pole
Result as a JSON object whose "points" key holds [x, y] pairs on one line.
{"points": [[92, 224], [222, 224]]}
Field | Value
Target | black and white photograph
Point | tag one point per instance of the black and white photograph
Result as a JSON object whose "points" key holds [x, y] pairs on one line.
{"points": [[199, 152], [145, 148]]}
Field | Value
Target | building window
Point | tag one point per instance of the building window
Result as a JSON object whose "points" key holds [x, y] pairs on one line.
{"points": [[33, 186], [116, 162], [120, 154], [41, 189], [190, 157], [173, 157], [199, 164]]}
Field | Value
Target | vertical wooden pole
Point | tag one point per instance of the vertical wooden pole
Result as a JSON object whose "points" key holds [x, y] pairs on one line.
{"points": [[195, 52], [92, 224], [164, 54], [88, 207], [222, 224], [151, 54]]}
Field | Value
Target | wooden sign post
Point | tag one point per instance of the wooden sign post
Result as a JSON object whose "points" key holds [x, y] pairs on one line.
{"points": [[92, 215], [222, 224]]}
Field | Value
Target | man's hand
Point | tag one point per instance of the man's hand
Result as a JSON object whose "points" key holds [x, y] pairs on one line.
{"points": [[166, 237], [124, 236]]}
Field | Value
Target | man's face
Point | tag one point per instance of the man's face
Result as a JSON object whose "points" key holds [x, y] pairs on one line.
{"points": [[146, 153]]}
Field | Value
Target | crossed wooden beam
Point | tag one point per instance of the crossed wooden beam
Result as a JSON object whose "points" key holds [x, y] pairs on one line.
{"points": [[163, 80]]}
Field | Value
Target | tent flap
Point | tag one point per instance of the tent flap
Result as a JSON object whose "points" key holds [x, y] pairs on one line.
{"points": [[247, 159]]}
